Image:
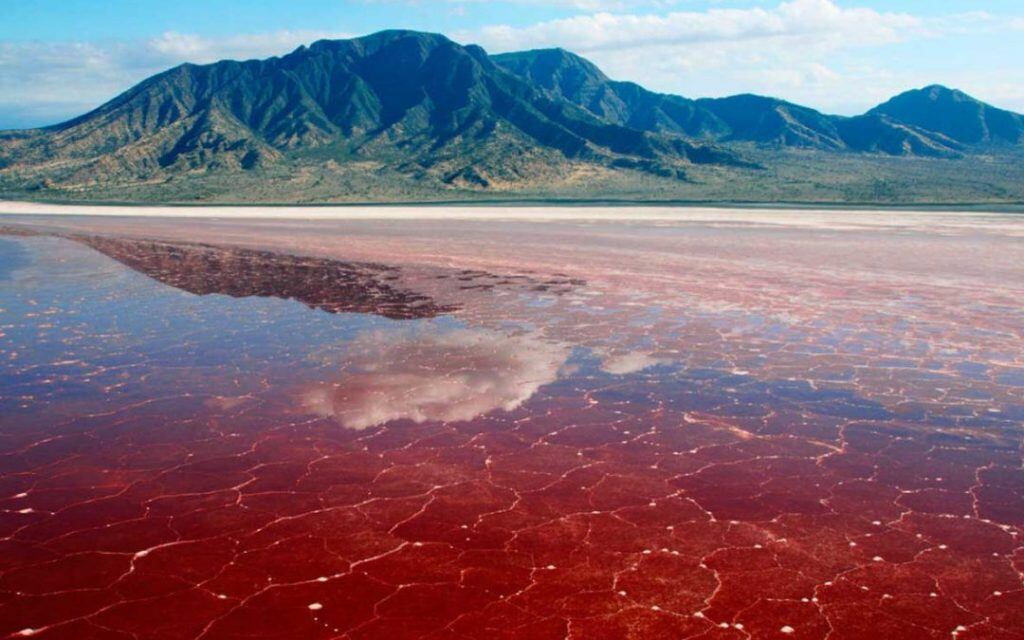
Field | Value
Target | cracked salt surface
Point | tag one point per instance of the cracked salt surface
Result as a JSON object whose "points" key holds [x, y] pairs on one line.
{"points": [[738, 442]]}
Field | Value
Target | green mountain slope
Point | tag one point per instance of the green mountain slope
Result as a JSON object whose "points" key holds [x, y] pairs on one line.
{"points": [[418, 102]]}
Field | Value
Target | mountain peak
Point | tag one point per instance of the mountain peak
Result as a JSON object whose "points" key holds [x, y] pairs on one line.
{"points": [[555, 69], [936, 91], [954, 114], [379, 40]]}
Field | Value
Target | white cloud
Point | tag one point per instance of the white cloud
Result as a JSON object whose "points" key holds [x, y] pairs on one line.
{"points": [[820, 20], [193, 48], [450, 376]]}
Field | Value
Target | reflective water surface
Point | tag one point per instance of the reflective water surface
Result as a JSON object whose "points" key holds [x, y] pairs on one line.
{"points": [[732, 427]]}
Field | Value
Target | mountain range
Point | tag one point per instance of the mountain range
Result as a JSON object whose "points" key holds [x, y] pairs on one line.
{"points": [[934, 121], [407, 115]]}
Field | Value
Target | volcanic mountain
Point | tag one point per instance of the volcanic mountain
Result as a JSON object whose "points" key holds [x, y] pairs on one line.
{"points": [[419, 102], [398, 114]]}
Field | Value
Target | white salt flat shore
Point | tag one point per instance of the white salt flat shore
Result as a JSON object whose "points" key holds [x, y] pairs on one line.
{"points": [[819, 218]]}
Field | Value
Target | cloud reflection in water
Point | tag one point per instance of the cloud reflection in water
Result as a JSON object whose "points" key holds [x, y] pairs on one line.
{"points": [[422, 376], [621, 364]]}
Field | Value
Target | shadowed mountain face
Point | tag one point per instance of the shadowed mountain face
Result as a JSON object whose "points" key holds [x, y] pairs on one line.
{"points": [[769, 120], [409, 108]]}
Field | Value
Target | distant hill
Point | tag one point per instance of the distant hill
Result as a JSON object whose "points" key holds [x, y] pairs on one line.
{"points": [[577, 80], [404, 115], [955, 115], [928, 122]]}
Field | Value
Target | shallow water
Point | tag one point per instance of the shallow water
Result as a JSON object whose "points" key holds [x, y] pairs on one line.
{"points": [[484, 430]]}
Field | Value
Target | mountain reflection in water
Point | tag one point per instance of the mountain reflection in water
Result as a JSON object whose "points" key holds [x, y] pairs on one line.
{"points": [[320, 283]]}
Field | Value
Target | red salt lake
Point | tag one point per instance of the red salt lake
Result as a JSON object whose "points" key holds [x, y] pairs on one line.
{"points": [[725, 425]]}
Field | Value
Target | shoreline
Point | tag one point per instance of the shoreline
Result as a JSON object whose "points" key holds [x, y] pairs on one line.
{"points": [[529, 203], [523, 211]]}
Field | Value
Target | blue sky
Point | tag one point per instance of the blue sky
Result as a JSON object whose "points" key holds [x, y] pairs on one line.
{"points": [[59, 58]]}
